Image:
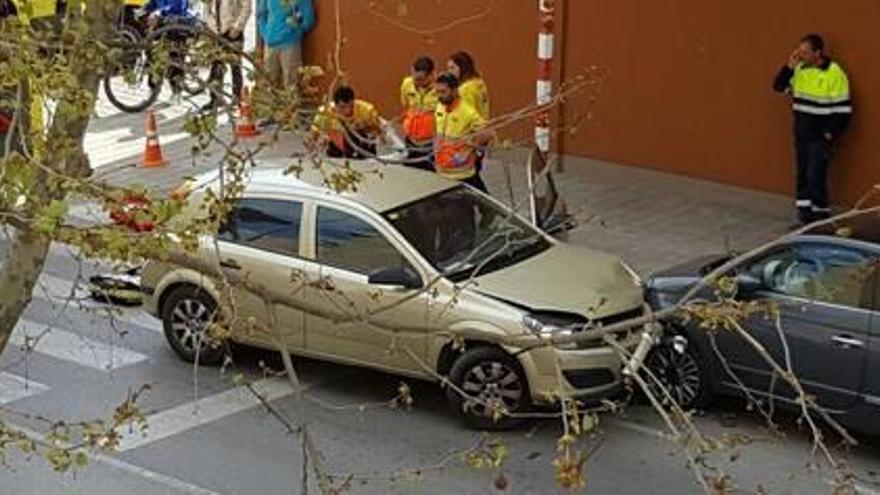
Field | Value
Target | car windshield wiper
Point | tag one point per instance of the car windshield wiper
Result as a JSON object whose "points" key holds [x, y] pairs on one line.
{"points": [[510, 255]]}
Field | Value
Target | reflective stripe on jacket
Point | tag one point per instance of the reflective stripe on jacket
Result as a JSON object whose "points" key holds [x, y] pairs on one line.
{"points": [[821, 98], [334, 127], [419, 105], [454, 154]]}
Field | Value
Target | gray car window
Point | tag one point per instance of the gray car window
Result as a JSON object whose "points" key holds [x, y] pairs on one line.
{"points": [[270, 224], [345, 241], [825, 273]]}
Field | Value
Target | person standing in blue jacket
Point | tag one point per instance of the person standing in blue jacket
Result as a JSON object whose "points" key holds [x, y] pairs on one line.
{"points": [[282, 25]]}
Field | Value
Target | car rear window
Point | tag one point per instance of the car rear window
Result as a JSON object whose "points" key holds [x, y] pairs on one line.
{"points": [[270, 224]]}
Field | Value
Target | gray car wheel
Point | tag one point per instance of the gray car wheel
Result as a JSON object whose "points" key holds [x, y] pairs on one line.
{"points": [[489, 376], [187, 314], [681, 373]]}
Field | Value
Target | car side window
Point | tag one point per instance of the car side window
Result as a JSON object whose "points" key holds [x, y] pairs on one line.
{"points": [[270, 224], [824, 273], [345, 241]]}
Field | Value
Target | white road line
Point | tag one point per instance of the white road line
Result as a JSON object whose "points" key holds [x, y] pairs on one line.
{"points": [[194, 414], [57, 290], [68, 346], [14, 387], [110, 146], [141, 472]]}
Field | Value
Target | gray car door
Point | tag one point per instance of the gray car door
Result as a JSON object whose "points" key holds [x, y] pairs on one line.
{"points": [[824, 295], [871, 389]]}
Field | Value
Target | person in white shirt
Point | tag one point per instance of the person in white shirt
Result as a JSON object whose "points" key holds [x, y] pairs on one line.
{"points": [[228, 19]]}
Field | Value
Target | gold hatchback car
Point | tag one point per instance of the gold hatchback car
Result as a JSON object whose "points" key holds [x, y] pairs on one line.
{"points": [[411, 274]]}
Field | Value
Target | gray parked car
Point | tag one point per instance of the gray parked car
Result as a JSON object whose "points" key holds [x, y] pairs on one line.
{"points": [[825, 285]]}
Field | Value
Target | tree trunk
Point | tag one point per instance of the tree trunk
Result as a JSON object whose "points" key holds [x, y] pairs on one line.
{"points": [[23, 264], [28, 251]]}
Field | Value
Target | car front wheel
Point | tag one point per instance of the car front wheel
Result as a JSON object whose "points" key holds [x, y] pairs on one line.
{"points": [[682, 372], [187, 314], [495, 386]]}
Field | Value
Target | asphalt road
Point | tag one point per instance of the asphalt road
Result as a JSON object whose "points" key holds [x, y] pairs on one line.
{"points": [[209, 436]]}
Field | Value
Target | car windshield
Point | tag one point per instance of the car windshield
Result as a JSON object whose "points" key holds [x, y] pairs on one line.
{"points": [[463, 233]]}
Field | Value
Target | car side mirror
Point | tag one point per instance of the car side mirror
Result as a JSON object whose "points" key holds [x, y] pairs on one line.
{"points": [[396, 276], [748, 284]]}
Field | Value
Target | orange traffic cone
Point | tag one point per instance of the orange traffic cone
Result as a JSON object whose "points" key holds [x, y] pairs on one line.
{"points": [[153, 152], [246, 126]]}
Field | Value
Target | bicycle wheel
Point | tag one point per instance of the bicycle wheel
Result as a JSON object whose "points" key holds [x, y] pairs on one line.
{"points": [[128, 84], [187, 57], [197, 66]]}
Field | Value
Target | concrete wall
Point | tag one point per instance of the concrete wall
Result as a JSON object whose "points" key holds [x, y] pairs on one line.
{"points": [[687, 83]]}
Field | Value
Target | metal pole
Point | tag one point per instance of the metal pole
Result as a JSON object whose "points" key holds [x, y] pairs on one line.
{"points": [[544, 91]]}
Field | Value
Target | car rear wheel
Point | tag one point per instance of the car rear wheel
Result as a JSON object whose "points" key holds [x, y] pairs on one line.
{"points": [[495, 385], [187, 314], [683, 374]]}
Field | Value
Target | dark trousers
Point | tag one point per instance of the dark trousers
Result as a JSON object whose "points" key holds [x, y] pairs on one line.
{"points": [[218, 70], [476, 182], [177, 56], [813, 158], [481, 155], [420, 156]]}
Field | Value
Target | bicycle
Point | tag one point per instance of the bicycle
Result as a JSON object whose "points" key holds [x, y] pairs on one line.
{"points": [[132, 84]]}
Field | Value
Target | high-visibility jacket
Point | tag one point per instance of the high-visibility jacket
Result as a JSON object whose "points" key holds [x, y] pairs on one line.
{"points": [[135, 3], [455, 156], [330, 124], [36, 9], [820, 98], [476, 94], [419, 105]]}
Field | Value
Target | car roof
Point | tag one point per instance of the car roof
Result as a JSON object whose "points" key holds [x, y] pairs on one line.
{"points": [[863, 227], [376, 185]]}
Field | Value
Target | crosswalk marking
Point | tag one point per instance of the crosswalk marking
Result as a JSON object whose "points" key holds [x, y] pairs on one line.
{"points": [[68, 346], [14, 387], [205, 410], [57, 290], [108, 146]]}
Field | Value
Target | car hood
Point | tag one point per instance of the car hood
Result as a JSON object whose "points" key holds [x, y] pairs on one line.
{"points": [[566, 278]]}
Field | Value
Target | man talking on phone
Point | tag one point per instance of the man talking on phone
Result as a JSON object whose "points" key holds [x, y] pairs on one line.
{"points": [[819, 89]]}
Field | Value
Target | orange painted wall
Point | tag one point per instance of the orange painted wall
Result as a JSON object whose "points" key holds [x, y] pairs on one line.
{"points": [[687, 83]]}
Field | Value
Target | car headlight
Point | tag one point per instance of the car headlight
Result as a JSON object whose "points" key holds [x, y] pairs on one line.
{"points": [[542, 329], [632, 273]]}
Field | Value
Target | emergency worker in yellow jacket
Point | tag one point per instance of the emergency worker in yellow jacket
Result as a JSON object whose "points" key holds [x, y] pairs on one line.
{"points": [[458, 134], [348, 127], [419, 100], [471, 88], [820, 93]]}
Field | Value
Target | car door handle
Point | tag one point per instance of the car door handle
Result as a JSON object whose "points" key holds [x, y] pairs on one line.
{"points": [[847, 342], [231, 264]]}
